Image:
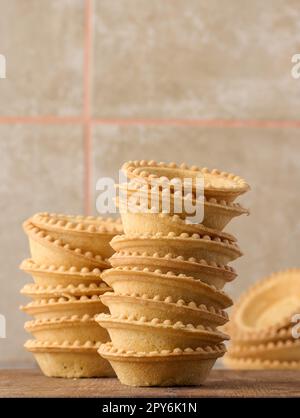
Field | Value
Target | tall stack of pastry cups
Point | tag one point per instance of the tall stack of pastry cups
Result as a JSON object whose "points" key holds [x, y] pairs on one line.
{"points": [[68, 254], [167, 279], [264, 326]]}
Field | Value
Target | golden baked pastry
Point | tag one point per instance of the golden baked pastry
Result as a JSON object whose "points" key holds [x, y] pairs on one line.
{"points": [[209, 248], [268, 306], [208, 272], [64, 306], [144, 281], [175, 367], [163, 308], [219, 185], [51, 275], [216, 214], [72, 328], [38, 292], [261, 325], [69, 359], [45, 249], [89, 233], [136, 333]]}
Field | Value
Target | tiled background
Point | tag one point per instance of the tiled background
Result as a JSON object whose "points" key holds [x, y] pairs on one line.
{"points": [[91, 83]]}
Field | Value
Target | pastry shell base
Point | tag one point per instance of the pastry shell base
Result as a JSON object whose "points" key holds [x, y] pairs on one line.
{"points": [[179, 368]]}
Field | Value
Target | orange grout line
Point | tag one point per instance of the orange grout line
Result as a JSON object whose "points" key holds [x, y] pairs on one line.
{"points": [[80, 120], [86, 106], [222, 123]]}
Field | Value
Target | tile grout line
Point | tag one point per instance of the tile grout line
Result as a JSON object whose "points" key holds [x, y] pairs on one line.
{"points": [[81, 120], [87, 138]]}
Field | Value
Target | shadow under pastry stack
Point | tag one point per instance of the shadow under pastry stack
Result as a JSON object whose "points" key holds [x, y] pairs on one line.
{"points": [[68, 254], [264, 325], [167, 279]]}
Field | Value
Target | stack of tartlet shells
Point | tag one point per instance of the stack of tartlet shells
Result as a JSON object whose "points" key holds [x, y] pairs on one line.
{"points": [[264, 326], [167, 279], [68, 254]]}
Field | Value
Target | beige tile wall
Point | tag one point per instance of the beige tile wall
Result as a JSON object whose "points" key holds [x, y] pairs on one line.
{"points": [[196, 59], [159, 60]]}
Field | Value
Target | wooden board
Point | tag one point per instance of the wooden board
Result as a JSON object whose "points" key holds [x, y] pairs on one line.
{"points": [[221, 383]]}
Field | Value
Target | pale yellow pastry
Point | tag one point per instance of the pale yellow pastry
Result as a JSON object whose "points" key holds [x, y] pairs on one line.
{"points": [[163, 308], [69, 359], [206, 247], [64, 306], [136, 333], [208, 272], [152, 223], [45, 249], [38, 292], [72, 328], [215, 214], [288, 350], [220, 185], [267, 307], [175, 367], [144, 281], [51, 275], [257, 364], [89, 233]]}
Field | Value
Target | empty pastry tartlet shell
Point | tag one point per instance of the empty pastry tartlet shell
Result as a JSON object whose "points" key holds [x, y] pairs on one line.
{"points": [[152, 223], [257, 296], [288, 350], [50, 275], [58, 330], [212, 274], [69, 361], [139, 335], [215, 215], [258, 364], [45, 251], [151, 283], [200, 248], [38, 292], [53, 308], [88, 233], [163, 309], [161, 368], [220, 185]]}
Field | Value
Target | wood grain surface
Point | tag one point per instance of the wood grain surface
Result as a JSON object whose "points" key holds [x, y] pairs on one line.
{"points": [[221, 383]]}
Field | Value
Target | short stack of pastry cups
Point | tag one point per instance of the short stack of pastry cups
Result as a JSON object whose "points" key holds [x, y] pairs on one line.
{"points": [[167, 280], [264, 326], [68, 254]]}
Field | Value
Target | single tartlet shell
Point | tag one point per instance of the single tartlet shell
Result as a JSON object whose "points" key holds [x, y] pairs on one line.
{"points": [[51, 275], [165, 368], [216, 214], [88, 233], [288, 350], [220, 185], [210, 273], [38, 292], [258, 364], [69, 360], [180, 245], [64, 306], [127, 281], [45, 249], [162, 309], [140, 335], [267, 306], [153, 223], [72, 328]]}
